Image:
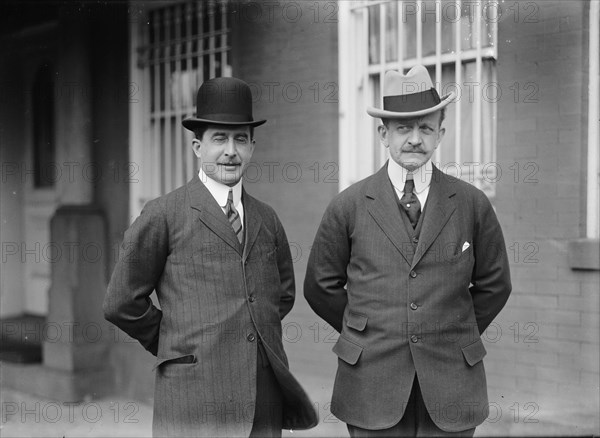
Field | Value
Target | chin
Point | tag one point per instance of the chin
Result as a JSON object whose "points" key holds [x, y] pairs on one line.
{"points": [[231, 179], [411, 165]]}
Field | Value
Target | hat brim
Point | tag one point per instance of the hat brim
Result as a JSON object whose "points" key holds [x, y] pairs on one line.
{"points": [[192, 123], [383, 114]]}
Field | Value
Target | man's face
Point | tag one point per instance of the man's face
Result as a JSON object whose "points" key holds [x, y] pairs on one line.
{"points": [[412, 141], [224, 152]]}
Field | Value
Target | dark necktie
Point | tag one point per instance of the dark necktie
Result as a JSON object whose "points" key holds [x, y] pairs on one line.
{"points": [[410, 202], [234, 217]]}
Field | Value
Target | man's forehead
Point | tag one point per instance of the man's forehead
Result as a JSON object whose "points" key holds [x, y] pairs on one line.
{"points": [[428, 118], [228, 129]]}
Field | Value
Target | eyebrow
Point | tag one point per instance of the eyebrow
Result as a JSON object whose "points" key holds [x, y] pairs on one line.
{"points": [[419, 122], [235, 134]]}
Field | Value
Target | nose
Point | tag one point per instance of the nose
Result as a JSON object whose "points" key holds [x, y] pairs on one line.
{"points": [[230, 150], [415, 137]]}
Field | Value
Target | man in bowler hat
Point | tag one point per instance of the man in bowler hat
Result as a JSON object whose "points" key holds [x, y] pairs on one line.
{"points": [[410, 266], [220, 264]]}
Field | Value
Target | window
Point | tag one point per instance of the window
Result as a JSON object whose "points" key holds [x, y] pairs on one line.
{"points": [[456, 41], [175, 47]]}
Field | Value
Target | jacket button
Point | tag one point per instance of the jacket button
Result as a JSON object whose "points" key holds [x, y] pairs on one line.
{"points": [[413, 274], [414, 339], [415, 240], [413, 306], [251, 337], [252, 298]]}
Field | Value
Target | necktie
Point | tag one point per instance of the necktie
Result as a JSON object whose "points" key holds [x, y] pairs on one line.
{"points": [[410, 203], [234, 217]]}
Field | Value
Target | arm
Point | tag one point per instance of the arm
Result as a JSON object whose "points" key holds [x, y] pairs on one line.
{"points": [[325, 281], [490, 280], [286, 272], [141, 261]]}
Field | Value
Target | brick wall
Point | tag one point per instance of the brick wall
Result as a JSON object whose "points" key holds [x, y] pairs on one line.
{"points": [[283, 49], [544, 365]]}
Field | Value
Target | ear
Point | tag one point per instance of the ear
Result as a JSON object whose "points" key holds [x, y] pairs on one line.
{"points": [[196, 145], [441, 133], [382, 130]]}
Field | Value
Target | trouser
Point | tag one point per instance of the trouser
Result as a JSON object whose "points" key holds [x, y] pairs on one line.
{"points": [[268, 413], [416, 422]]}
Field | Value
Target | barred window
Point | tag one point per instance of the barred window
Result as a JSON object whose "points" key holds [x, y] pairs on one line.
{"points": [[176, 47], [456, 41]]}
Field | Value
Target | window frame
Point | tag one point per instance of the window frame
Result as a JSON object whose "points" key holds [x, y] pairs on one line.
{"points": [[356, 93]]}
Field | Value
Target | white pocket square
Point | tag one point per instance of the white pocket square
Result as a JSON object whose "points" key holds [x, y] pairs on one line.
{"points": [[465, 246]]}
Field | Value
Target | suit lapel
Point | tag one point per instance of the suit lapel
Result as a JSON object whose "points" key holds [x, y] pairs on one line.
{"points": [[382, 206], [439, 207], [210, 213], [253, 222]]}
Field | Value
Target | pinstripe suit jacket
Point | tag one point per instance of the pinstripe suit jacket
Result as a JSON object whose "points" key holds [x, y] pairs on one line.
{"points": [[406, 307], [217, 298]]}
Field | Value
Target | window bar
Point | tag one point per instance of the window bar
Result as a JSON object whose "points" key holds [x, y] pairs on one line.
{"points": [[168, 146], [200, 51], [459, 90], [400, 37], [225, 71], [188, 154], [477, 143], [211, 39], [158, 181], [438, 61], [419, 30], [179, 175], [494, 42]]}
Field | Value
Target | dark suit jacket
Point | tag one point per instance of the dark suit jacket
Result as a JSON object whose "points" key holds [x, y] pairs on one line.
{"points": [[404, 308], [217, 299]]}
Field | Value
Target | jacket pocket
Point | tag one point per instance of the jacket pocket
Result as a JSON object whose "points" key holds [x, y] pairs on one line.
{"points": [[347, 350], [177, 361], [357, 321], [474, 352]]}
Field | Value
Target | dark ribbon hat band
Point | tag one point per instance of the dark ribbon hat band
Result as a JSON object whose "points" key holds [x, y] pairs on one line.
{"points": [[411, 102]]}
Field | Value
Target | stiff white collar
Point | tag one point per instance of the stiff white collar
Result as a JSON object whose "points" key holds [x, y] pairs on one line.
{"points": [[220, 191], [421, 176]]}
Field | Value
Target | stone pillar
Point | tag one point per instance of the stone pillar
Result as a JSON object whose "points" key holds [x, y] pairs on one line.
{"points": [[76, 337]]}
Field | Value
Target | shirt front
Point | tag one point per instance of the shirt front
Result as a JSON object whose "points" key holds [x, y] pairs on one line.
{"points": [[421, 177], [220, 192]]}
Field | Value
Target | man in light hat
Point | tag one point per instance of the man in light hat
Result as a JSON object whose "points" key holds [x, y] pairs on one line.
{"points": [[410, 267], [220, 263]]}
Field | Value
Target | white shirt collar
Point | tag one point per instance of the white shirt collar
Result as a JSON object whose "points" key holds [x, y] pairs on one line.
{"points": [[220, 191], [421, 176]]}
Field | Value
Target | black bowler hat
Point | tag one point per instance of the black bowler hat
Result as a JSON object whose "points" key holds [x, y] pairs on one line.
{"points": [[223, 101], [409, 95]]}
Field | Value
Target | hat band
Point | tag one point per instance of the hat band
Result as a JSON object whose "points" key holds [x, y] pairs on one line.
{"points": [[411, 102], [227, 117]]}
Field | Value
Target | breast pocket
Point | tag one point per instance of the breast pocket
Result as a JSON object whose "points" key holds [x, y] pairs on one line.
{"points": [[460, 256]]}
